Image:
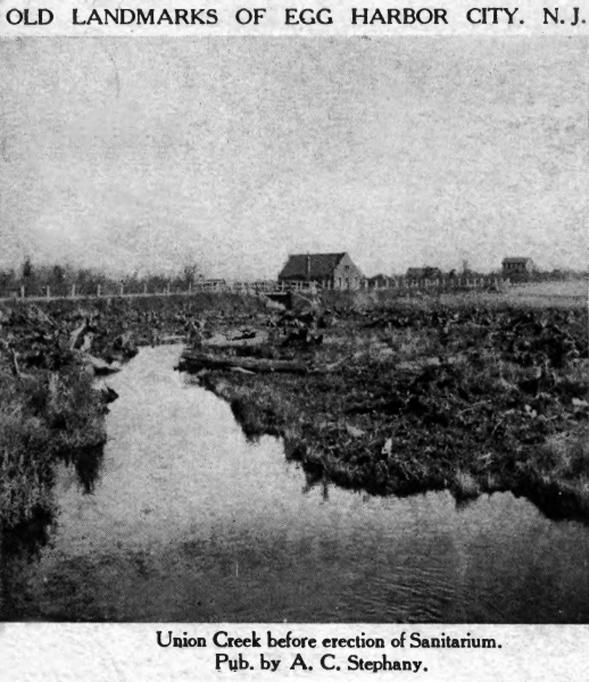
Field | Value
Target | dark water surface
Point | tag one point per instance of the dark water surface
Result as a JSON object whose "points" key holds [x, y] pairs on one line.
{"points": [[189, 522]]}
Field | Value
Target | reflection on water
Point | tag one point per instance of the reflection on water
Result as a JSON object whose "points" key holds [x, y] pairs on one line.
{"points": [[87, 463], [28, 537], [188, 521]]}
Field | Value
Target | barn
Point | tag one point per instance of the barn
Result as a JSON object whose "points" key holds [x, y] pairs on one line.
{"points": [[329, 270]]}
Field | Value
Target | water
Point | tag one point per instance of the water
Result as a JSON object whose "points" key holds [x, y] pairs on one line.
{"points": [[187, 521]]}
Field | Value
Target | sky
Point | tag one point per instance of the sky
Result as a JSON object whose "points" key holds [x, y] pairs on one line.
{"points": [[148, 154]]}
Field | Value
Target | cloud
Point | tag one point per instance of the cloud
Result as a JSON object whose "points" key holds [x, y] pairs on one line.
{"points": [[146, 154]]}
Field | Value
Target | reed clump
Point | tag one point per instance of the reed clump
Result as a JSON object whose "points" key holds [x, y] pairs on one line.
{"points": [[44, 416]]}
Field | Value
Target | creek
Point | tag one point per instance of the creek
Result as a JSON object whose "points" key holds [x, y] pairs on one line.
{"points": [[185, 520]]}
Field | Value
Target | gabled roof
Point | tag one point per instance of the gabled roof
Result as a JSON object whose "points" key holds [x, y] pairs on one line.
{"points": [[312, 265]]}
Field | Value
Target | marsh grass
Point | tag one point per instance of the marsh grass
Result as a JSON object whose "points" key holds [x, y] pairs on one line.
{"points": [[43, 417], [562, 464], [424, 398]]}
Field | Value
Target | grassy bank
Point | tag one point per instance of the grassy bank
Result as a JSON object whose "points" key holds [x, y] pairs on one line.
{"points": [[44, 416], [429, 396]]}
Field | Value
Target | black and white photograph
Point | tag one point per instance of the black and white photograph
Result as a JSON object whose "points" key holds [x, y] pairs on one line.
{"points": [[294, 330]]}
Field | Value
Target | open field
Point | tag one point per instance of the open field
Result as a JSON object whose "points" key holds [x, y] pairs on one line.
{"points": [[565, 294], [572, 287], [570, 293]]}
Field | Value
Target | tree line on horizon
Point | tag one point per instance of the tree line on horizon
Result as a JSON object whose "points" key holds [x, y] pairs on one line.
{"points": [[61, 280]]}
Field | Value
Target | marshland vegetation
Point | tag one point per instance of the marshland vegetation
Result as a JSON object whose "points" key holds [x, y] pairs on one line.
{"points": [[401, 395], [407, 396]]}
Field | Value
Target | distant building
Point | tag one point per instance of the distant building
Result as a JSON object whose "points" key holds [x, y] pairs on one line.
{"points": [[330, 270], [424, 273], [517, 267], [379, 281], [212, 283]]}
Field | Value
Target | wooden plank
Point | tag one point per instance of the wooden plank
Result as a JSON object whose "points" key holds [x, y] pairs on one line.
{"points": [[193, 362]]}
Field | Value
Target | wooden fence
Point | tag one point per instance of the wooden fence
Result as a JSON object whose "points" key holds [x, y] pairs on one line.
{"points": [[214, 286], [437, 284], [401, 285]]}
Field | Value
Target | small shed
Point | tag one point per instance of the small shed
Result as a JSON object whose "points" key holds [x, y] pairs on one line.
{"points": [[517, 267], [379, 281], [426, 272]]}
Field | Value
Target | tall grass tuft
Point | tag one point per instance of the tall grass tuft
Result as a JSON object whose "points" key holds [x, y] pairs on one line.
{"points": [[43, 417]]}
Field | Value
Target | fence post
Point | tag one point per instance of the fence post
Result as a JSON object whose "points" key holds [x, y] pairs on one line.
{"points": [[121, 289], [73, 291], [22, 291]]}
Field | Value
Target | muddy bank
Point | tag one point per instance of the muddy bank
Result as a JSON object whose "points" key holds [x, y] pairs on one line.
{"points": [[415, 398]]}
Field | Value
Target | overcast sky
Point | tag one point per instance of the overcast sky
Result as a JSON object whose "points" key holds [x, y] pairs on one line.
{"points": [[233, 152]]}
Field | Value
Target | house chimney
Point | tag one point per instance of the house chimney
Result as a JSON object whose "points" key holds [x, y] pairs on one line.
{"points": [[308, 266]]}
